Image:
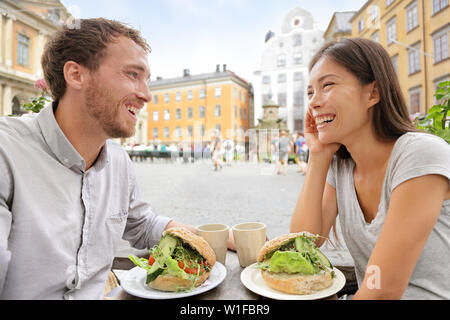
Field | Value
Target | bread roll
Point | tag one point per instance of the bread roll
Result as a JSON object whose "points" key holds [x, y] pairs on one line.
{"points": [[296, 283]]}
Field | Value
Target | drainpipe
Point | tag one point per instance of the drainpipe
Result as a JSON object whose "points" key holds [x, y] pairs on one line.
{"points": [[425, 69]]}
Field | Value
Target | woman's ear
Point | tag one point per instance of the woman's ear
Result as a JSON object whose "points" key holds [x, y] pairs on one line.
{"points": [[374, 94], [74, 74]]}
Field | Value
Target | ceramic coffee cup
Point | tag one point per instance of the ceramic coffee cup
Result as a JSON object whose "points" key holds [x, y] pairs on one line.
{"points": [[249, 238], [217, 237]]}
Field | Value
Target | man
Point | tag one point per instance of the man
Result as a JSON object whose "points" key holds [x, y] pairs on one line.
{"points": [[284, 147], [68, 194], [300, 146], [217, 151]]}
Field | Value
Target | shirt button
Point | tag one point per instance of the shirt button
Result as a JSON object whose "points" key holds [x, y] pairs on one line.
{"points": [[66, 160]]}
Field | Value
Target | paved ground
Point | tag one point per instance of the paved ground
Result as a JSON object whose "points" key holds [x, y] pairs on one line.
{"points": [[195, 194]]}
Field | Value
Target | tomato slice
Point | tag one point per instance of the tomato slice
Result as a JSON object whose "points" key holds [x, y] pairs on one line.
{"points": [[151, 261], [182, 265]]}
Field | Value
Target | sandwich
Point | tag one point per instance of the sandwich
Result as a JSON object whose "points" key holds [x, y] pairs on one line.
{"points": [[292, 263], [180, 262]]}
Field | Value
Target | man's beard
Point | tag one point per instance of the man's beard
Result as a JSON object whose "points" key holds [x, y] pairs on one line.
{"points": [[106, 111]]}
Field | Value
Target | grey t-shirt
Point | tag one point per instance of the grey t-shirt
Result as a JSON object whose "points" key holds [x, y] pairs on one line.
{"points": [[414, 155], [284, 145]]}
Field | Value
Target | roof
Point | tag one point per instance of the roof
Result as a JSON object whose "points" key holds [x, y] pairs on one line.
{"points": [[199, 77], [341, 21]]}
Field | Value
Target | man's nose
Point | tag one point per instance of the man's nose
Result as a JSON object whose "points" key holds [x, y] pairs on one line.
{"points": [[145, 93]]}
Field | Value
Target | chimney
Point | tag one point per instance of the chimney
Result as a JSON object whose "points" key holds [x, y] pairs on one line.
{"points": [[186, 73], [224, 68], [218, 68]]}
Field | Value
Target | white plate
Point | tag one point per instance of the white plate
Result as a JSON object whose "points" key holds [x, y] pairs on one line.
{"points": [[252, 279], [134, 284]]}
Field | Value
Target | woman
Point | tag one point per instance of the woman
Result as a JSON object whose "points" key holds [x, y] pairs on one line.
{"points": [[389, 183]]}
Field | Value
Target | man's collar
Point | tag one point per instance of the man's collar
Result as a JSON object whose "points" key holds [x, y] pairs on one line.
{"points": [[61, 146]]}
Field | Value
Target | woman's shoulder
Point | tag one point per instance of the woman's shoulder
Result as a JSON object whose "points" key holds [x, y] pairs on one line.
{"points": [[421, 144], [416, 154]]}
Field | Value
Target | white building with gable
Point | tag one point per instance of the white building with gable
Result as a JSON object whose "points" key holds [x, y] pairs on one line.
{"points": [[283, 76]]}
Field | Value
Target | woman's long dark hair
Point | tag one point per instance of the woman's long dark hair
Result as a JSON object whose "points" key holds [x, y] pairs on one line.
{"points": [[368, 61]]}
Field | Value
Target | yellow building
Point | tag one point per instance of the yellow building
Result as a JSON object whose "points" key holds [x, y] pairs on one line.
{"points": [[24, 28], [416, 35], [190, 108]]}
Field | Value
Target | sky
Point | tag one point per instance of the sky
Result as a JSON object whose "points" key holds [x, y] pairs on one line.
{"points": [[199, 34]]}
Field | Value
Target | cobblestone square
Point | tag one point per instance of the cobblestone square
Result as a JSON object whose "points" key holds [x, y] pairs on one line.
{"points": [[242, 192]]}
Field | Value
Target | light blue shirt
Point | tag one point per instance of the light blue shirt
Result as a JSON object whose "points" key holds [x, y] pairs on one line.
{"points": [[59, 224]]}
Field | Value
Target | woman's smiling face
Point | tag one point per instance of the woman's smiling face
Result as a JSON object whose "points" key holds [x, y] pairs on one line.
{"points": [[338, 102]]}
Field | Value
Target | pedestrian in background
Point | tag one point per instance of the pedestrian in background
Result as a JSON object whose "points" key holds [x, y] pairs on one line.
{"points": [[300, 151], [284, 147], [216, 150]]}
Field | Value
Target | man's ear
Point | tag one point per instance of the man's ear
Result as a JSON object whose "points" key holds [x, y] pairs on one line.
{"points": [[374, 94], [75, 75]]}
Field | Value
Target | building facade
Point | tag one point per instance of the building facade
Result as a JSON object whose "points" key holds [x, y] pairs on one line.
{"points": [[416, 35], [24, 28], [190, 108], [283, 76], [339, 26]]}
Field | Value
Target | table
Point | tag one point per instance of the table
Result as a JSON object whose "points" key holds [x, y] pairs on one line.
{"points": [[230, 289]]}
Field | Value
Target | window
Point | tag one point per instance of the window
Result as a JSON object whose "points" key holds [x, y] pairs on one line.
{"points": [[166, 115], [389, 2], [155, 116], [155, 99], [281, 78], [166, 98], [23, 43], [438, 5], [166, 132], [178, 114], [395, 63], [202, 130], [235, 111], [178, 96], [245, 114], [190, 113], [440, 43], [414, 59], [266, 79], [298, 99], [298, 76], [218, 128], [201, 112], [178, 132], [218, 92], [190, 95], [189, 131], [439, 80], [217, 110], [202, 94], [281, 61], [414, 100], [298, 58], [391, 28], [361, 25], [297, 40], [155, 133], [282, 102], [412, 16]]}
